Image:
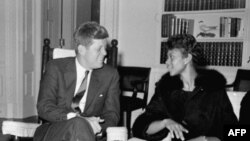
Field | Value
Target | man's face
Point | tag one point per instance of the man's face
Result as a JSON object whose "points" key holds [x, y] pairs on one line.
{"points": [[95, 53], [175, 62]]}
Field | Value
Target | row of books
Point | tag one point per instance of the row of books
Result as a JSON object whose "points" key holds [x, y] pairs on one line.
{"points": [[172, 25], [192, 5], [230, 27], [215, 53], [222, 53], [227, 26]]}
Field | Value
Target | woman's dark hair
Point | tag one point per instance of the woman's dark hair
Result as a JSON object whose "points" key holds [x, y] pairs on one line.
{"points": [[188, 45]]}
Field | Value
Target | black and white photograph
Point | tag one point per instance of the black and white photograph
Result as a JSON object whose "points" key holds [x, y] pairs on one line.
{"points": [[124, 70]]}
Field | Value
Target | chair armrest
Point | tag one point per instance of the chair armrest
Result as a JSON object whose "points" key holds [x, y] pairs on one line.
{"points": [[137, 82], [229, 85], [20, 129]]}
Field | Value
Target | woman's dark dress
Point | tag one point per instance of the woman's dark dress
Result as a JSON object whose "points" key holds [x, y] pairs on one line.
{"points": [[203, 111]]}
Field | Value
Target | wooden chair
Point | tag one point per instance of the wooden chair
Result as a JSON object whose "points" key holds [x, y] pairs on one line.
{"points": [[242, 81], [136, 81], [236, 92], [24, 128], [244, 117]]}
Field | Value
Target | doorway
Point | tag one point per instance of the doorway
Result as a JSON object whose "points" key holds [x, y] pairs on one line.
{"points": [[61, 17]]}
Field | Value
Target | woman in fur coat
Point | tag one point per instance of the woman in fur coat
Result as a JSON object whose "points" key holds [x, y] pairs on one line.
{"points": [[189, 103]]}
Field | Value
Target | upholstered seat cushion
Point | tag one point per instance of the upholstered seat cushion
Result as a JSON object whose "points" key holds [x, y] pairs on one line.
{"points": [[20, 129]]}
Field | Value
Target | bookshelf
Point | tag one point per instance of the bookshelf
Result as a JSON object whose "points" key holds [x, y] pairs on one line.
{"points": [[220, 27]]}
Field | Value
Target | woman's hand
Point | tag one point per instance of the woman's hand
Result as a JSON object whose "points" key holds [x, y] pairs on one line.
{"points": [[176, 129]]}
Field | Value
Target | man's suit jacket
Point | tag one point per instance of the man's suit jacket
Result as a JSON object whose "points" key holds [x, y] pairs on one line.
{"points": [[57, 90]]}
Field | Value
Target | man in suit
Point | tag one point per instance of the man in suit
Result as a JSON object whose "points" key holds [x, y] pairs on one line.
{"points": [[98, 107]]}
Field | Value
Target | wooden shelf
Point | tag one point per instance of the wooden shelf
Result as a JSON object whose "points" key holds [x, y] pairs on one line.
{"points": [[220, 11], [214, 26]]}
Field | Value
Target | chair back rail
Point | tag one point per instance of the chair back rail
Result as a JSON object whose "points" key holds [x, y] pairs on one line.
{"points": [[47, 54], [136, 80], [242, 81]]}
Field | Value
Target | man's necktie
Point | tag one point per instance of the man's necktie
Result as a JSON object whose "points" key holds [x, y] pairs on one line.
{"points": [[77, 98]]}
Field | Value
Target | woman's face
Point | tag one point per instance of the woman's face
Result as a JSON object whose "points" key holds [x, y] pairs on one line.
{"points": [[176, 62]]}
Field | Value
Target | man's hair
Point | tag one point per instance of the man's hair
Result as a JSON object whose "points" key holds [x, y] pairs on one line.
{"points": [[88, 31], [188, 45]]}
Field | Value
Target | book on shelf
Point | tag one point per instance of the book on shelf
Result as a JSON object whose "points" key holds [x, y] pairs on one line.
{"points": [[192, 5], [172, 25], [228, 27], [222, 26], [190, 27], [166, 29], [173, 22], [231, 27], [178, 23], [242, 3]]}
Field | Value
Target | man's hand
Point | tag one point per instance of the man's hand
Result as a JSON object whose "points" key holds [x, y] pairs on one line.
{"points": [[71, 115], [95, 123], [175, 129]]}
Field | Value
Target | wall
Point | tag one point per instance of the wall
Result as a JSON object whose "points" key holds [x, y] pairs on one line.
{"points": [[2, 58], [138, 32], [109, 16], [138, 41]]}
